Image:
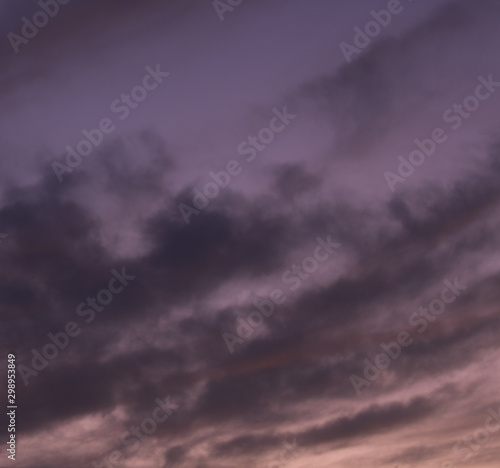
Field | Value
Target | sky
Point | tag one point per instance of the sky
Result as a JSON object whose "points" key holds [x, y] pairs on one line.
{"points": [[251, 233]]}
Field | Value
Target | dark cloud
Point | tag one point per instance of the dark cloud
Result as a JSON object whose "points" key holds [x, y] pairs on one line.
{"points": [[367, 98], [193, 282]]}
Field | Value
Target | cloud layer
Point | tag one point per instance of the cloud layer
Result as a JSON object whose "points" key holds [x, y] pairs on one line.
{"points": [[288, 381]]}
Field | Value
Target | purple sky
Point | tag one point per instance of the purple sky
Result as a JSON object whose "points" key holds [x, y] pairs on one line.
{"points": [[404, 231]]}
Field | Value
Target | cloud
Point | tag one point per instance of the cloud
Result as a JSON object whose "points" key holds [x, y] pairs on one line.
{"points": [[163, 334]]}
